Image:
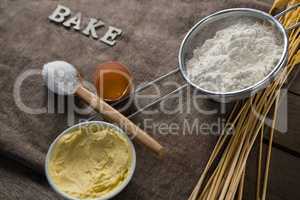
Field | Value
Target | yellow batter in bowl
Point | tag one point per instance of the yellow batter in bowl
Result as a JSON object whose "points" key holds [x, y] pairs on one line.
{"points": [[92, 160]]}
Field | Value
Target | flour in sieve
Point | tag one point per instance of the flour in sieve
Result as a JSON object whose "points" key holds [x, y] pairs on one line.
{"points": [[235, 58]]}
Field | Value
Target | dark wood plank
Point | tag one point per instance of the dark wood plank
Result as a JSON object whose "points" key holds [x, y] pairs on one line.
{"points": [[284, 176], [289, 140], [294, 82]]}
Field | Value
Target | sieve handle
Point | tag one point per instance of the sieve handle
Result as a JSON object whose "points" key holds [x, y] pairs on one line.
{"points": [[147, 85], [158, 100], [293, 7]]}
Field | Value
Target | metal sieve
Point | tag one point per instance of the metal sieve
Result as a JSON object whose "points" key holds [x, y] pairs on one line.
{"points": [[207, 28]]}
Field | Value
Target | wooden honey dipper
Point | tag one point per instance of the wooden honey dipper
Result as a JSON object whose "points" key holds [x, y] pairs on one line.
{"points": [[62, 78]]}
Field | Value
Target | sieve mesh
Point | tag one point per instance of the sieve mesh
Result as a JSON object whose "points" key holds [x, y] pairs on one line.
{"points": [[207, 28]]}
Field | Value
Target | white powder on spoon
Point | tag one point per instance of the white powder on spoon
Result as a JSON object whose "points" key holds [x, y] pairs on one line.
{"points": [[235, 58], [61, 77]]}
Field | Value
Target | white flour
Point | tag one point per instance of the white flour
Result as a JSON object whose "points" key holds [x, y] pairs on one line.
{"points": [[235, 58], [61, 77]]}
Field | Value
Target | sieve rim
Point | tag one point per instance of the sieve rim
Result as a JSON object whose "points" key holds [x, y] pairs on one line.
{"points": [[252, 89]]}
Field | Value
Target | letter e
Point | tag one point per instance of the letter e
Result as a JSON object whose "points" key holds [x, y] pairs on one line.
{"points": [[111, 35]]}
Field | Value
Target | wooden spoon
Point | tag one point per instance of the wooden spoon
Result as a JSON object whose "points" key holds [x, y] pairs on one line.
{"points": [[58, 84]]}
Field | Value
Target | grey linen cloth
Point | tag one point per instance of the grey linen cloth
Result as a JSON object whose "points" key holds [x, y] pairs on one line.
{"points": [[152, 32]]}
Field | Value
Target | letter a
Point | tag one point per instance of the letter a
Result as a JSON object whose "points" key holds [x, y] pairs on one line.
{"points": [[74, 21]]}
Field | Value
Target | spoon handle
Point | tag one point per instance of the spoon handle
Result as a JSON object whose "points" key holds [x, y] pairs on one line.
{"points": [[115, 116]]}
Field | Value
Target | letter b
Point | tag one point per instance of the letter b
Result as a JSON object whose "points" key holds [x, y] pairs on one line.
{"points": [[59, 14]]}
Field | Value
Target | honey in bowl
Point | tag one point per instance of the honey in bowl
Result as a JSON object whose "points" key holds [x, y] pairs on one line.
{"points": [[113, 81]]}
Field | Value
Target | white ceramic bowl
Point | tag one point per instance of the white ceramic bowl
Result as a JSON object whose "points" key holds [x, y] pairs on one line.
{"points": [[115, 191]]}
